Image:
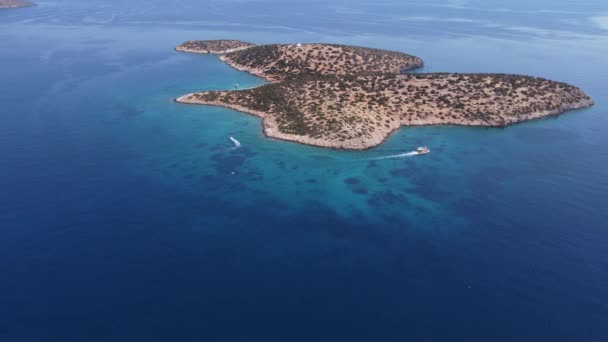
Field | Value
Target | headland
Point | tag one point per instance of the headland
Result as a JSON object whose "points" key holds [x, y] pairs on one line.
{"points": [[213, 46]]}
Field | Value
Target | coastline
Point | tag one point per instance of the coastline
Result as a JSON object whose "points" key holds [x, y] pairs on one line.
{"points": [[253, 71], [271, 130], [354, 98], [210, 52], [270, 126]]}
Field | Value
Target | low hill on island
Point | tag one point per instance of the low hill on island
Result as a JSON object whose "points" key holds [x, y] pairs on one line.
{"points": [[353, 98], [280, 62], [15, 3]]}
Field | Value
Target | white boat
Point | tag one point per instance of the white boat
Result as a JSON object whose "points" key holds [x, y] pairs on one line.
{"points": [[423, 150]]}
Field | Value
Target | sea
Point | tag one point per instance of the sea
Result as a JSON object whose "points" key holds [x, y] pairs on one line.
{"points": [[125, 216]]}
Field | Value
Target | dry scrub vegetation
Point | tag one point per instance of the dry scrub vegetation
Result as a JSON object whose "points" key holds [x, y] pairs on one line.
{"points": [[351, 97]]}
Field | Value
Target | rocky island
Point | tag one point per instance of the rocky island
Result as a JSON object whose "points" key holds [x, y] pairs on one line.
{"points": [[353, 98], [213, 46], [15, 3]]}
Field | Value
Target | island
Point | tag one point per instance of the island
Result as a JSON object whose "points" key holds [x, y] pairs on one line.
{"points": [[353, 97], [15, 3], [213, 46]]}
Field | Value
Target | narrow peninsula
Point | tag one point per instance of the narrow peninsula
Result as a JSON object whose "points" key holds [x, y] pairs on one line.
{"points": [[349, 97], [15, 3], [213, 46]]}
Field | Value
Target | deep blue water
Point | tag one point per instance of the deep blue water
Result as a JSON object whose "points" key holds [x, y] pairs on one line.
{"points": [[127, 217]]}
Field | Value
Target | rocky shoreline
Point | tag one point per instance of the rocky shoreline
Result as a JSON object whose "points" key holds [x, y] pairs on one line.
{"points": [[270, 127], [215, 47], [318, 96], [254, 71]]}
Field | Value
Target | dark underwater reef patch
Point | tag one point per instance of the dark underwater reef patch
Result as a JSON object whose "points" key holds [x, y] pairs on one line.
{"points": [[356, 186], [360, 190], [352, 180], [387, 197], [426, 186], [127, 112], [227, 163], [403, 172]]}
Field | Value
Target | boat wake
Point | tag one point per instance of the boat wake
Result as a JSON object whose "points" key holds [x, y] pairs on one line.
{"points": [[397, 156], [237, 143]]}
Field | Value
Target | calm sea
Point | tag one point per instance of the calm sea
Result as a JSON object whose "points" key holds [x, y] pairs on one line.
{"points": [[127, 217]]}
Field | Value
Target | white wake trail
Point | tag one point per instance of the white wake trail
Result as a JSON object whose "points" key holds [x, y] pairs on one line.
{"points": [[237, 143], [396, 156]]}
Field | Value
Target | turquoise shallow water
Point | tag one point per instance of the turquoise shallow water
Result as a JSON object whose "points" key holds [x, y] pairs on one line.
{"points": [[126, 216]]}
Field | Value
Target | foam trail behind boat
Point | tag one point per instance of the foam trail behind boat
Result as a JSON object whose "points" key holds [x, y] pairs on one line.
{"points": [[237, 143], [396, 156]]}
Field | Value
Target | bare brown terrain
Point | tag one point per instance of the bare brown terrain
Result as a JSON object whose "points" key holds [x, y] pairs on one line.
{"points": [[277, 63], [15, 3], [353, 98], [213, 46]]}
